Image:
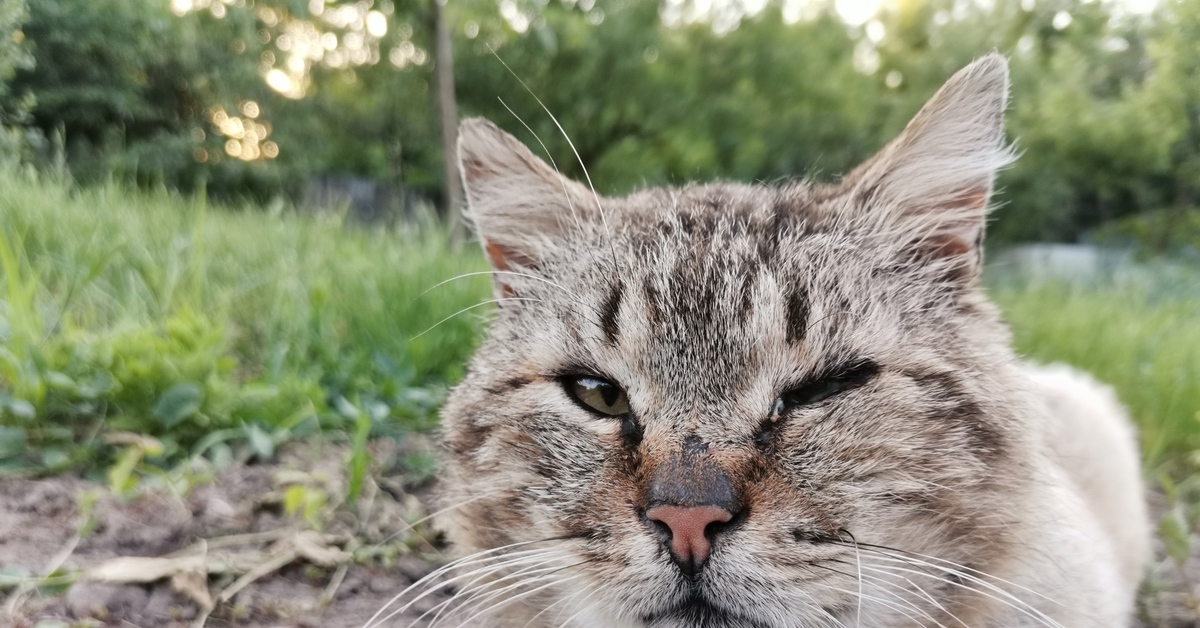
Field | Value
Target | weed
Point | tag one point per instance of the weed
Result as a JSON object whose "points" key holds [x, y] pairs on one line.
{"points": [[214, 332]]}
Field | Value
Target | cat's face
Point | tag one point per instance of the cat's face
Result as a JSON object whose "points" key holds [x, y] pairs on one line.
{"points": [[730, 405]]}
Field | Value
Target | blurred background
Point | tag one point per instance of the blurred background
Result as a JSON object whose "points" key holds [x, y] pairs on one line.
{"points": [[310, 103], [227, 227]]}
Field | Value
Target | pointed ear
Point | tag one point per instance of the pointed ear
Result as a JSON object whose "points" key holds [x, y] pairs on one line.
{"points": [[932, 183], [517, 202]]}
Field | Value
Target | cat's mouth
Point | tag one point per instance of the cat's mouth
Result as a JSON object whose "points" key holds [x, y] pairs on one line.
{"points": [[698, 610]]}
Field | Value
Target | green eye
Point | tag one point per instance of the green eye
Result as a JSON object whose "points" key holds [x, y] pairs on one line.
{"points": [[597, 395]]}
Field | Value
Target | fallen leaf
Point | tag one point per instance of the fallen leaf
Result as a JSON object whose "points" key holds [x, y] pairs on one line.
{"points": [[194, 585], [131, 569], [314, 547]]}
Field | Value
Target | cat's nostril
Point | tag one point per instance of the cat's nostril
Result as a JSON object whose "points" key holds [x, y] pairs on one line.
{"points": [[663, 530], [717, 527]]}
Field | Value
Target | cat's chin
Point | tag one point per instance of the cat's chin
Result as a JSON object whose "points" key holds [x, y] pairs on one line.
{"points": [[698, 610]]}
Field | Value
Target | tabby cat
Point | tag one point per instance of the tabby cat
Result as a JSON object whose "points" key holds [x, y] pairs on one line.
{"points": [[752, 406]]}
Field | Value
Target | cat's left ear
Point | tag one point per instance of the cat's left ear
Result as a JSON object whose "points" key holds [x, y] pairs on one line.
{"points": [[930, 186]]}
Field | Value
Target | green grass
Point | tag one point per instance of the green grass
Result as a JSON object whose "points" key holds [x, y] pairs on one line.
{"points": [[214, 331], [223, 332], [1137, 329]]}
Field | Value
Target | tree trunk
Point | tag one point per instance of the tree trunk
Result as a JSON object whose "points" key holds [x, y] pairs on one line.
{"points": [[448, 114]]}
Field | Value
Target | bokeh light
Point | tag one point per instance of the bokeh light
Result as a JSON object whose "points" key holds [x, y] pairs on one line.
{"points": [[246, 137]]}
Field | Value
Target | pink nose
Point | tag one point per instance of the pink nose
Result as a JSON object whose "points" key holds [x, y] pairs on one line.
{"points": [[689, 543]]}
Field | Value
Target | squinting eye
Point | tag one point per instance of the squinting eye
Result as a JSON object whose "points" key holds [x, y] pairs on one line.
{"points": [[847, 377], [598, 395]]}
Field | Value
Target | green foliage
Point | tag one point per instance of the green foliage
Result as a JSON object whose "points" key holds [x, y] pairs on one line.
{"points": [[306, 501], [12, 56], [691, 104], [212, 333], [1156, 232], [359, 458], [1105, 105], [127, 87]]}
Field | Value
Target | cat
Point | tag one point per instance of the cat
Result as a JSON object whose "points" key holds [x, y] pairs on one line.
{"points": [[751, 406]]}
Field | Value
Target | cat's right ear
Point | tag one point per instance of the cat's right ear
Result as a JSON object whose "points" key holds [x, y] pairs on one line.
{"points": [[518, 203]]}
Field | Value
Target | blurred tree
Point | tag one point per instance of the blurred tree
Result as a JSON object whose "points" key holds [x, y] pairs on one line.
{"points": [[133, 91], [447, 107], [350, 87], [13, 112], [1170, 103], [1090, 143], [1104, 102], [650, 102]]}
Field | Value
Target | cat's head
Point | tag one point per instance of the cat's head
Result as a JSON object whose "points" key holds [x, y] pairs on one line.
{"points": [[719, 404]]}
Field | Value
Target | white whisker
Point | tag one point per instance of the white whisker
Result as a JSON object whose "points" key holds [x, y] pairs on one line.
{"points": [[565, 136], [553, 164], [469, 308], [480, 586], [1004, 597], [879, 601], [521, 596], [487, 554]]}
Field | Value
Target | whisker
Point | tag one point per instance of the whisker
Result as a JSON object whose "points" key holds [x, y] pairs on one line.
{"points": [[561, 130], [521, 596], [583, 609], [477, 556], [888, 587], [883, 602], [412, 526], [493, 272], [1011, 601], [963, 568], [549, 571], [469, 308], [578, 158], [471, 592], [553, 164], [575, 298], [924, 594], [449, 581], [1006, 597], [858, 562]]}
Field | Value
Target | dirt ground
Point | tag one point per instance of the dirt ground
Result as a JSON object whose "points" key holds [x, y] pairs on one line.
{"points": [[230, 543], [233, 524]]}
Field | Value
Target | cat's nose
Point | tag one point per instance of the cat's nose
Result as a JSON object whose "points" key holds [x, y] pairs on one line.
{"points": [[691, 528], [691, 500]]}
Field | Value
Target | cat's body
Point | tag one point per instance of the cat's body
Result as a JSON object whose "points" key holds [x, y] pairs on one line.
{"points": [[748, 406]]}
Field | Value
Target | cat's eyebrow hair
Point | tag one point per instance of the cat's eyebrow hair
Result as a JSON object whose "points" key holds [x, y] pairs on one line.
{"points": [[609, 311], [576, 367]]}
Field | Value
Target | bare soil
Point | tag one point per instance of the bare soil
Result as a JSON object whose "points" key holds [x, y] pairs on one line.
{"points": [[242, 514], [238, 520]]}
